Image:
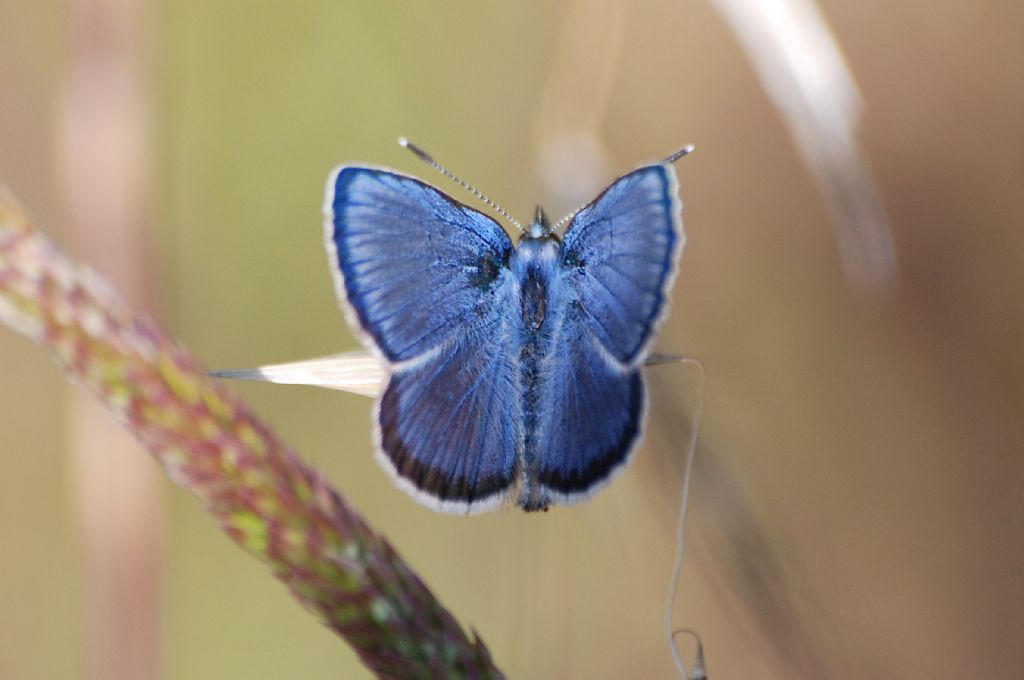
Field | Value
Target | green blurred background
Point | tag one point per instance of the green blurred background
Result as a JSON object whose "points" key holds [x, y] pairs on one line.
{"points": [[858, 504]]}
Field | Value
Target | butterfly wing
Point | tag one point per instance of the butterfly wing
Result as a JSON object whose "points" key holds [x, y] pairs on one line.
{"points": [[589, 421], [424, 278], [414, 265], [619, 261], [621, 253], [449, 427]]}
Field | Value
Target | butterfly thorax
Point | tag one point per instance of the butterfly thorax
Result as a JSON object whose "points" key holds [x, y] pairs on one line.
{"points": [[535, 265]]}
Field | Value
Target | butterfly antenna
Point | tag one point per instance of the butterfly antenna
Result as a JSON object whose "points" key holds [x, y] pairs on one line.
{"points": [[671, 159], [688, 149], [426, 158], [565, 219]]}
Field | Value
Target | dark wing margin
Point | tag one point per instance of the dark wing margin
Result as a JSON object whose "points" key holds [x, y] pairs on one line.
{"points": [[621, 253], [412, 266]]}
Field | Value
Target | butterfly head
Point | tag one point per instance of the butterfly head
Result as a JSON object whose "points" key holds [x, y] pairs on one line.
{"points": [[541, 227]]}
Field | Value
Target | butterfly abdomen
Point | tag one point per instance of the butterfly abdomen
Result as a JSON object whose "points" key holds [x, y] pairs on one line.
{"points": [[533, 302]]}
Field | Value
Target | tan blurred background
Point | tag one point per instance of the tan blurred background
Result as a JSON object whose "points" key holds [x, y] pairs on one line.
{"points": [[858, 502]]}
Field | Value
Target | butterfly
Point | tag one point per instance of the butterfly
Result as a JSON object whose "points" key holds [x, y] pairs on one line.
{"points": [[513, 370]]}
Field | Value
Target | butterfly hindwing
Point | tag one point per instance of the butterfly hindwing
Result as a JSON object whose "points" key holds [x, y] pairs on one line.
{"points": [[449, 425], [621, 253], [415, 266], [592, 411], [426, 280]]}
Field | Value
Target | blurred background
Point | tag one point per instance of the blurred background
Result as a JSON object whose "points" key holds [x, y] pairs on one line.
{"points": [[858, 497]]}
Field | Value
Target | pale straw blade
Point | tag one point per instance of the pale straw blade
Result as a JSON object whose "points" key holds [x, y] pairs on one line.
{"points": [[356, 372]]}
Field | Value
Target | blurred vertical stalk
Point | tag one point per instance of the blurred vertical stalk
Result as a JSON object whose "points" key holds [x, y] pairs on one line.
{"points": [[102, 147], [572, 159], [804, 73]]}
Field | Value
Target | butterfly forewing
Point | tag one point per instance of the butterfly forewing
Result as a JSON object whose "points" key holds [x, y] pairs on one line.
{"points": [[621, 253], [416, 267]]}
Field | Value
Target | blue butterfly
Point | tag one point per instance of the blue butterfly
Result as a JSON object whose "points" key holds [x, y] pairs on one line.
{"points": [[513, 370]]}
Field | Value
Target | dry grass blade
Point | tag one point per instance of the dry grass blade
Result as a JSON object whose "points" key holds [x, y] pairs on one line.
{"points": [[804, 73]]}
